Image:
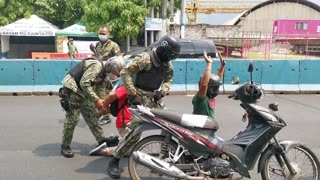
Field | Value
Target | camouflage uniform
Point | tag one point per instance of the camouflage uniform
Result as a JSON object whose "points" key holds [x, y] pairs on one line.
{"points": [[81, 100], [107, 50], [143, 63], [72, 50]]}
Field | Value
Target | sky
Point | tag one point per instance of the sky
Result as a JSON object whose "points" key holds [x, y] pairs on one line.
{"points": [[219, 19]]}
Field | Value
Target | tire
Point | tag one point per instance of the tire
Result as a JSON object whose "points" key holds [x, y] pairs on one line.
{"points": [[139, 172], [298, 156]]}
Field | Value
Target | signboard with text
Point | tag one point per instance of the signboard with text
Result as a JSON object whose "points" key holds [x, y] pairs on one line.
{"points": [[153, 24], [33, 26]]}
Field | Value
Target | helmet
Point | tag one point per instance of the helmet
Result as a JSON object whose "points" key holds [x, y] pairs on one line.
{"points": [[248, 93], [114, 65], [213, 86], [168, 48]]}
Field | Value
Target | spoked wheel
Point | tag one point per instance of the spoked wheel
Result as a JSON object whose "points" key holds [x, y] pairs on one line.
{"points": [[152, 146], [303, 161]]}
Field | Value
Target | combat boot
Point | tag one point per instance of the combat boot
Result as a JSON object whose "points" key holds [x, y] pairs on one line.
{"points": [[66, 151], [113, 169]]}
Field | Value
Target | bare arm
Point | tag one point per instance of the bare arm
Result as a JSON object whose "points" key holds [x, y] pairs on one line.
{"points": [[205, 77], [223, 63], [110, 98]]}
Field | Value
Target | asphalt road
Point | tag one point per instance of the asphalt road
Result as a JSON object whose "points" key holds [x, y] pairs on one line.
{"points": [[31, 128]]}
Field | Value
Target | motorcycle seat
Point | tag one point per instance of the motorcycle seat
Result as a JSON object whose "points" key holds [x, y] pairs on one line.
{"points": [[187, 120]]}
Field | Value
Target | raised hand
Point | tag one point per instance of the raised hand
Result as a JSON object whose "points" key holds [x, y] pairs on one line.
{"points": [[222, 61], [206, 57]]}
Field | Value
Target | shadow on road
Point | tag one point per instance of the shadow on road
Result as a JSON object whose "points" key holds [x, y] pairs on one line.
{"points": [[49, 150], [100, 165]]}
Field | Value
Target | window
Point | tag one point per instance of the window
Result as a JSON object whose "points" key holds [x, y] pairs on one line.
{"points": [[202, 46], [301, 26], [187, 47], [318, 28]]}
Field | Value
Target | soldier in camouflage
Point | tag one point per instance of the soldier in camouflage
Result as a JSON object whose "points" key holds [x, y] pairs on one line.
{"points": [[83, 92], [147, 79], [106, 48], [73, 50]]}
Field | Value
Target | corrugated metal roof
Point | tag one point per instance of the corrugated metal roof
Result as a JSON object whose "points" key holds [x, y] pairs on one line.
{"points": [[240, 17]]}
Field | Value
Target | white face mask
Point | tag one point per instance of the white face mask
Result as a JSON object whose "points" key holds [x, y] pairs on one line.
{"points": [[103, 37]]}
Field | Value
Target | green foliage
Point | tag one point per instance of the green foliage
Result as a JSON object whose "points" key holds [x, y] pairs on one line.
{"points": [[122, 20], [124, 17], [11, 10], [58, 12]]}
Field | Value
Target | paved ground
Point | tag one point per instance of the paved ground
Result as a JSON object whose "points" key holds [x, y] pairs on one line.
{"points": [[31, 126]]}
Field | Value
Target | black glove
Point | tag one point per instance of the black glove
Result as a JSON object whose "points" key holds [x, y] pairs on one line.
{"points": [[157, 95], [134, 99]]}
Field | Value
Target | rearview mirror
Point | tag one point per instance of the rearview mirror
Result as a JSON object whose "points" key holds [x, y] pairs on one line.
{"points": [[250, 68], [235, 80]]}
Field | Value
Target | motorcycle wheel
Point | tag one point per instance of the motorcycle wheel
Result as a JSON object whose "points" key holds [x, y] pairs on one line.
{"points": [[152, 146], [303, 160]]}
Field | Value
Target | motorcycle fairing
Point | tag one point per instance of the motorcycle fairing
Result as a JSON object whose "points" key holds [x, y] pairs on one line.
{"points": [[265, 113], [190, 139], [254, 138]]}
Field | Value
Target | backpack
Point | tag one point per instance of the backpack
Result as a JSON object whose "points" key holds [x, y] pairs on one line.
{"points": [[114, 110]]}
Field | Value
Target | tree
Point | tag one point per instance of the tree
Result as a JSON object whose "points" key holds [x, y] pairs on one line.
{"points": [[11, 10], [121, 19], [59, 12], [124, 17]]}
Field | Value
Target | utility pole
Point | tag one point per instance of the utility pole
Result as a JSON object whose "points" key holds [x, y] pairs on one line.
{"points": [[171, 20], [164, 9], [163, 16], [145, 31], [182, 18], [152, 32]]}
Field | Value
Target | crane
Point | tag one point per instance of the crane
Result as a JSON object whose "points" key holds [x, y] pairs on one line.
{"points": [[193, 7]]}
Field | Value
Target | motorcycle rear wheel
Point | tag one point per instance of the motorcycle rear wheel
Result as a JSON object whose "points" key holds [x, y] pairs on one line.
{"points": [[303, 160], [152, 146]]}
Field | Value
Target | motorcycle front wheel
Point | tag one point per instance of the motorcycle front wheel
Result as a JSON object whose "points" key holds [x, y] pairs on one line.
{"points": [[302, 159], [150, 145]]}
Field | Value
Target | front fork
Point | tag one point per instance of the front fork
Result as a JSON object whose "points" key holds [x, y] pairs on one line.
{"points": [[284, 160]]}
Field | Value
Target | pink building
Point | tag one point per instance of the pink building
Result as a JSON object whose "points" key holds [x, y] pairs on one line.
{"points": [[296, 27]]}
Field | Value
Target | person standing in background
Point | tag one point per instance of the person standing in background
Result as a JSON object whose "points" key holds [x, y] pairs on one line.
{"points": [[106, 49], [72, 49]]}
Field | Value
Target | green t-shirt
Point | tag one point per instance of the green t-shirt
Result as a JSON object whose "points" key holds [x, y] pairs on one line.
{"points": [[203, 106]]}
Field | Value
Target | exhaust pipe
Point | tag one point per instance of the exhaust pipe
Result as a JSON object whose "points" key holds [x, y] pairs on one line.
{"points": [[161, 166]]}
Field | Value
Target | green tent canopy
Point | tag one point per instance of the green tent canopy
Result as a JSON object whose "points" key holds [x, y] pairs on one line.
{"points": [[76, 30]]}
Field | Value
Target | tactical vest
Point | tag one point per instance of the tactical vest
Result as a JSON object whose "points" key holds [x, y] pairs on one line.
{"points": [[152, 79], [77, 71]]}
